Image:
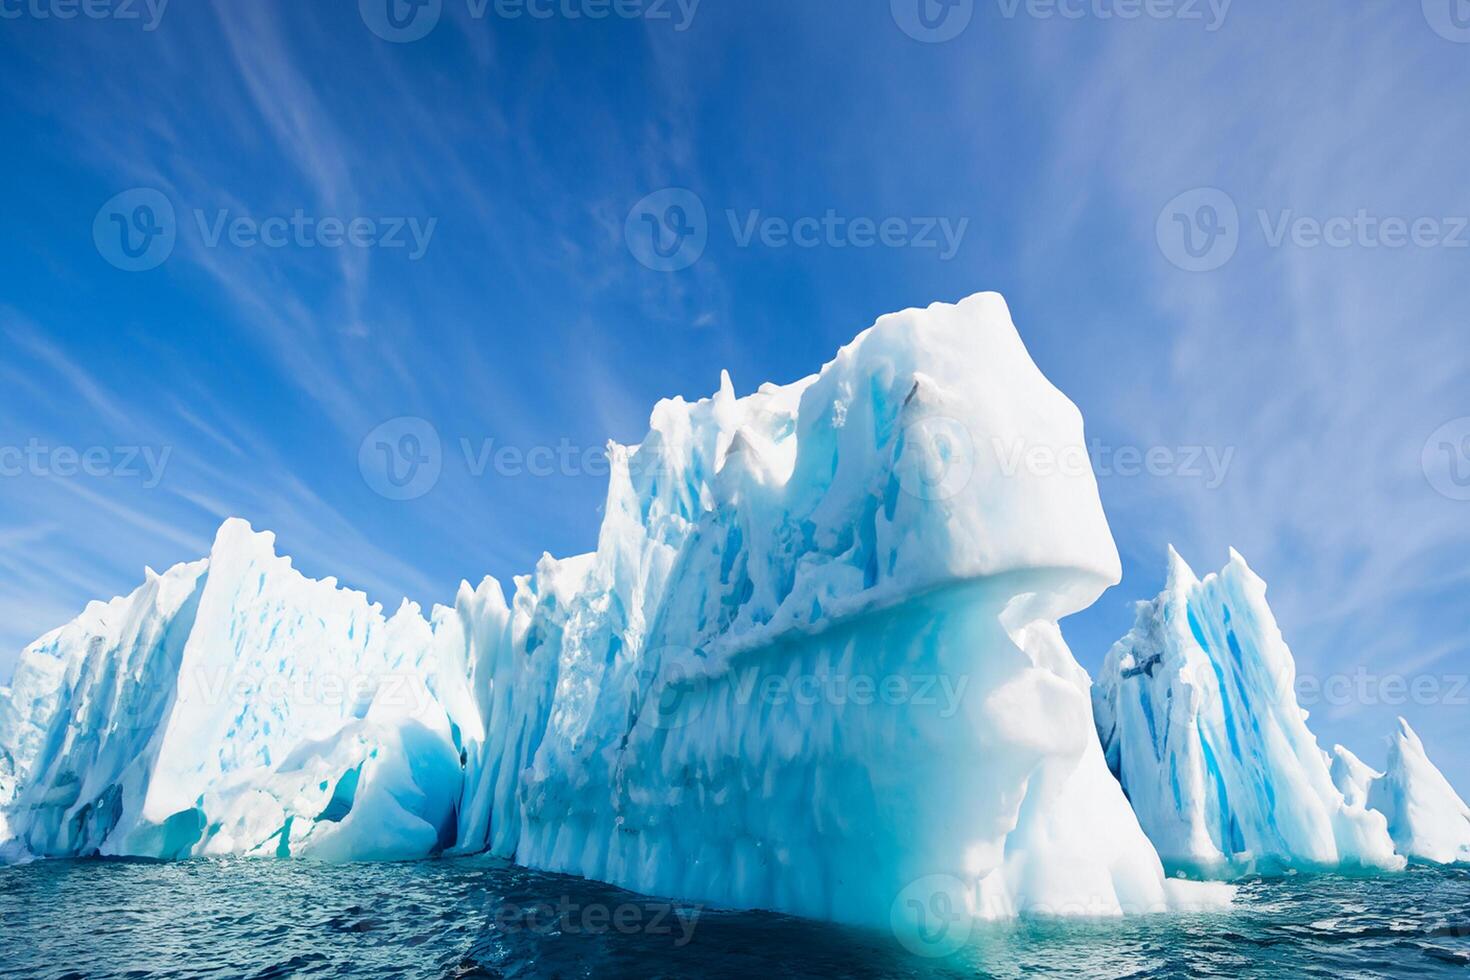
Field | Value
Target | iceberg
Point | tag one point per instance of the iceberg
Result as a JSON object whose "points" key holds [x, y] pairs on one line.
{"points": [[1197, 712], [1427, 818], [813, 666], [232, 706]]}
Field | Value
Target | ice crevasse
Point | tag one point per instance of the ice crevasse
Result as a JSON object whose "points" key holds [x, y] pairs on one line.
{"points": [[812, 666]]}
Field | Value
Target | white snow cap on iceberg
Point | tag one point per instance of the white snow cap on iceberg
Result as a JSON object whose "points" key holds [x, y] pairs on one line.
{"points": [[1197, 712], [1427, 818]]}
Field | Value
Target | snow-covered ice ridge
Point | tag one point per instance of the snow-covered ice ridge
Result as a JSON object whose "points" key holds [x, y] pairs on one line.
{"points": [[1197, 711], [813, 666]]}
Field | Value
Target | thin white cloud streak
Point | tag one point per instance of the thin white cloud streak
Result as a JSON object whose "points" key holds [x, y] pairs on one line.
{"points": [[1326, 368]]}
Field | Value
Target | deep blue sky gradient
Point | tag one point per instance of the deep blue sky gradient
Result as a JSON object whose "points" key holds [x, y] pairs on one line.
{"points": [[1324, 370]]}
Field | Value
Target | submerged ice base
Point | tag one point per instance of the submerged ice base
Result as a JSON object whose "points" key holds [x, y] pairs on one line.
{"points": [[813, 666]]}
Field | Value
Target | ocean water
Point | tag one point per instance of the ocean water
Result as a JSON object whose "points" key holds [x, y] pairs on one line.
{"points": [[483, 918]]}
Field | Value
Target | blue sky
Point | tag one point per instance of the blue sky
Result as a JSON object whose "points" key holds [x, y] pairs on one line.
{"points": [[491, 166]]}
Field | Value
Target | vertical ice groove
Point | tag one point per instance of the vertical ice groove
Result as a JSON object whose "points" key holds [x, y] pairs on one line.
{"points": [[1243, 785]]}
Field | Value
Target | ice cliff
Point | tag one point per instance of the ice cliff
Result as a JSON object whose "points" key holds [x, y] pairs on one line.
{"points": [[813, 665], [232, 706], [1198, 716]]}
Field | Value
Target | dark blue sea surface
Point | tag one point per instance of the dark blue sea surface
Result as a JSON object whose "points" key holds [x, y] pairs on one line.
{"points": [[482, 918]]}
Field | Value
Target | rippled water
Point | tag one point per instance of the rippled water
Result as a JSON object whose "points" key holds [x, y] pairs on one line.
{"points": [[483, 918]]}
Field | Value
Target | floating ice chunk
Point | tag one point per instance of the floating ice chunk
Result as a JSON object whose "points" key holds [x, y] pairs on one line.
{"points": [[1427, 818], [1198, 715]]}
